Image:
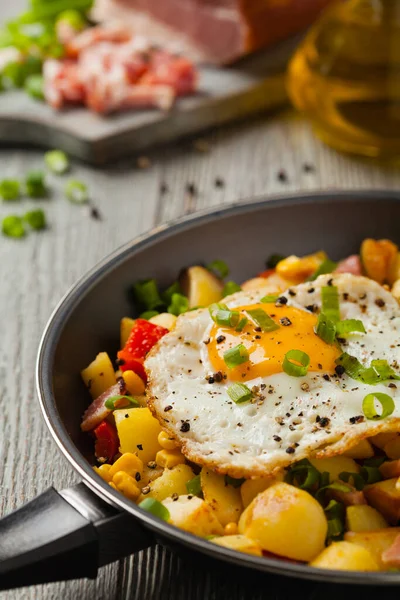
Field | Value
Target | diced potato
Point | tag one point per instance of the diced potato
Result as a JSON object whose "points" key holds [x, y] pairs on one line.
{"points": [[194, 515], [172, 481], [381, 439], [378, 258], [352, 497], [392, 448], [149, 475], [241, 543], [125, 329], [361, 451], [99, 375], [224, 499], [385, 497], [251, 487], [335, 465], [390, 469], [164, 320], [298, 269], [364, 518], [346, 557], [201, 286], [286, 521], [138, 432], [376, 542]]}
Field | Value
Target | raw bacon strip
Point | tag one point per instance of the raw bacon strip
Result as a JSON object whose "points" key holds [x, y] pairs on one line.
{"points": [[97, 411], [114, 32], [352, 265]]}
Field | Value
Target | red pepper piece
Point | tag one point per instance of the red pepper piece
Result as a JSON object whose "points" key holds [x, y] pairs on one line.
{"points": [[143, 337], [107, 441], [266, 273]]}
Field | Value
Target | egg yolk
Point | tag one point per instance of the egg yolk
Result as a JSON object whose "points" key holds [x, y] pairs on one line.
{"points": [[267, 349]]}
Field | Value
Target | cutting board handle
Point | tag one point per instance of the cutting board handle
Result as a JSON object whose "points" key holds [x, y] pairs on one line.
{"points": [[65, 535]]}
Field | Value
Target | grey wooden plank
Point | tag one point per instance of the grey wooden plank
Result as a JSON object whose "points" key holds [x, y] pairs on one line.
{"points": [[35, 272]]}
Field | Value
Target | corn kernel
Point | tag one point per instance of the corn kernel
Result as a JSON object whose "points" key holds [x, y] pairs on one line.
{"points": [[169, 458], [134, 383], [114, 487], [166, 442], [164, 320], [129, 463], [231, 529], [104, 472], [126, 484]]}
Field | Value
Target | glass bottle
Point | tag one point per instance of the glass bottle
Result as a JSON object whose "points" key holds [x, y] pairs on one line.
{"points": [[345, 77]]}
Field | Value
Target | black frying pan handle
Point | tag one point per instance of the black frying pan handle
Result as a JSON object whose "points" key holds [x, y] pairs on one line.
{"points": [[65, 535]]}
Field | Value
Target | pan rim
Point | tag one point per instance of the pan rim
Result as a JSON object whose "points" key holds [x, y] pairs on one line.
{"points": [[44, 364]]}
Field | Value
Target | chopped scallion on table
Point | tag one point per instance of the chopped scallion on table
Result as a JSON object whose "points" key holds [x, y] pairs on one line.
{"points": [[35, 184], [36, 219], [77, 192], [10, 189], [57, 161], [13, 226]]}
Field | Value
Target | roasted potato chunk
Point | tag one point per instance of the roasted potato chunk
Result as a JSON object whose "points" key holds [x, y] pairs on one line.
{"points": [[363, 450], [364, 518], [346, 557], [385, 497], [194, 515], [287, 521], [241, 543], [200, 286], [335, 465], [172, 481], [251, 487], [378, 258], [224, 499], [377, 542], [99, 375]]}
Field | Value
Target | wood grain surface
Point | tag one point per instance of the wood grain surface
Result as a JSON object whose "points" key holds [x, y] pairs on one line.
{"points": [[36, 271]]}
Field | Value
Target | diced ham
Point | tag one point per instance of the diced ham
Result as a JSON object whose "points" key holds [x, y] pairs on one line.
{"points": [[66, 33], [97, 411], [351, 498], [176, 72], [62, 83], [391, 556], [116, 33], [352, 265]]}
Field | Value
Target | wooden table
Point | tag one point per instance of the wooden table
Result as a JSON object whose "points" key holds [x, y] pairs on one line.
{"points": [[37, 270]]}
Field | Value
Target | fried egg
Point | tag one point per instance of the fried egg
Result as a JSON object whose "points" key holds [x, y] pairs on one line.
{"points": [[288, 418]]}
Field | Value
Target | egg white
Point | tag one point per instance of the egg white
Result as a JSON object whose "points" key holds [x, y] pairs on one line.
{"points": [[252, 439]]}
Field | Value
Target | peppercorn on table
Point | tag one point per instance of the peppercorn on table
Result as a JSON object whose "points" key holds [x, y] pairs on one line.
{"points": [[268, 155]]}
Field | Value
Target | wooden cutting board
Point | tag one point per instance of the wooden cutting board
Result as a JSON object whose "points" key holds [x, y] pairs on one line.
{"points": [[252, 85]]}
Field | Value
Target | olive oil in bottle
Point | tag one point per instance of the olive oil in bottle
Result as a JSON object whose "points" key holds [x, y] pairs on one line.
{"points": [[345, 77]]}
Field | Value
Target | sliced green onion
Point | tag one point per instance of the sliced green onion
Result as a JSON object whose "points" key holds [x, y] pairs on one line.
{"points": [[334, 509], [57, 161], [34, 86], [330, 303], [230, 288], [357, 479], [193, 486], [239, 393], [236, 483], [386, 402], [273, 260], [335, 528], [13, 226], [349, 326], [146, 294], [36, 219], [221, 315], [325, 329], [370, 474], [325, 479], [148, 314], [76, 191], [304, 474], [335, 486], [290, 363], [269, 299], [10, 189], [175, 288], [35, 184], [116, 402], [242, 324], [327, 266], [179, 304], [219, 267], [156, 508], [378, 372], [262, 319], [236, 356]]}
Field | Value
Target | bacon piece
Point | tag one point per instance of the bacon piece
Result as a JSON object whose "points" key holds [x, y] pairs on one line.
{"points": [[97, 411], [391, 556], [62, 83], [351, 498], [116, 33], [352, 265], [175, 71]]}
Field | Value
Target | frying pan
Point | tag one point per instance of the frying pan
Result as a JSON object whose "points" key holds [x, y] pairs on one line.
{"points": [[70, 534]]}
